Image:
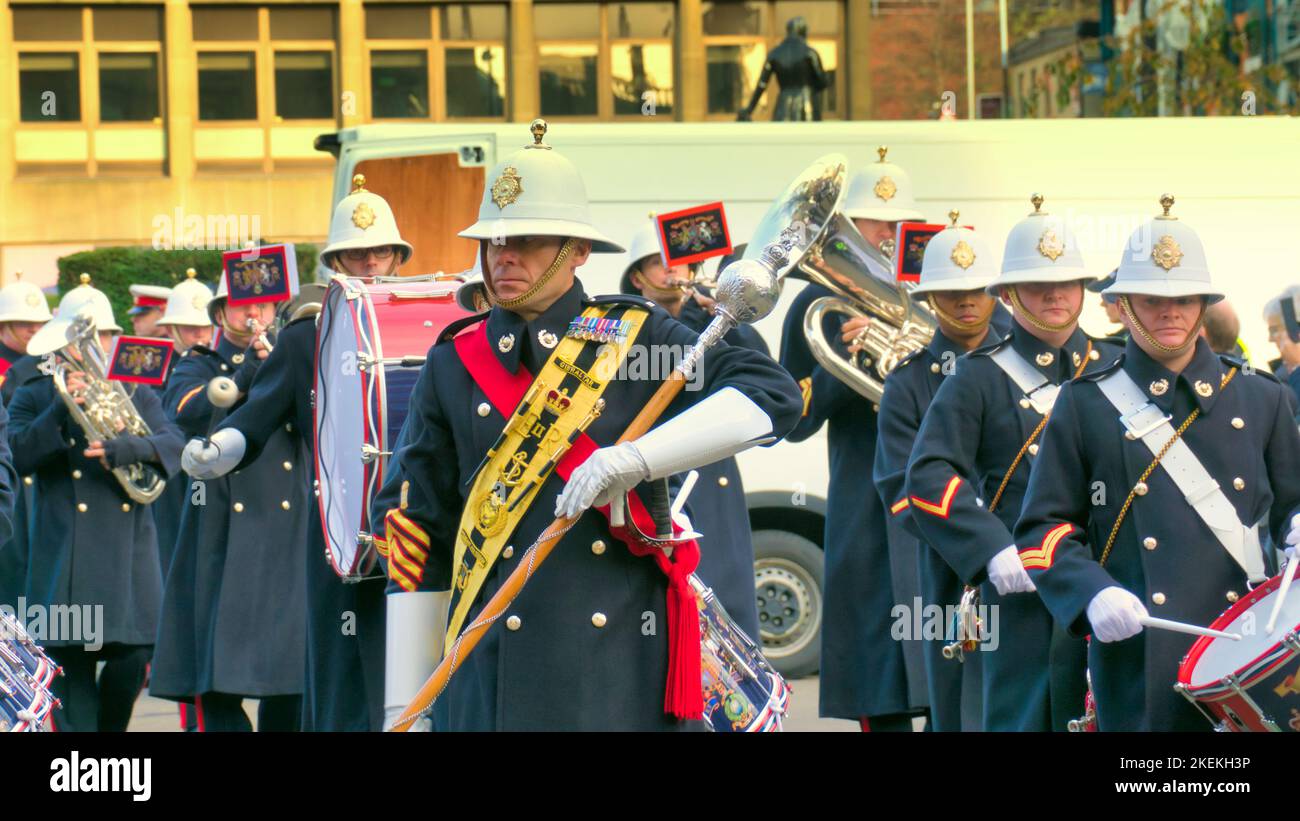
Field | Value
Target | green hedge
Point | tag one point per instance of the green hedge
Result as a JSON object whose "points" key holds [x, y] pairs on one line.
{"points": [[115, 270]]}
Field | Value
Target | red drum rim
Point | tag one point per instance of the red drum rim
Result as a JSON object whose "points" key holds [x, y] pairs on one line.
{"points": [[1263, 664]]}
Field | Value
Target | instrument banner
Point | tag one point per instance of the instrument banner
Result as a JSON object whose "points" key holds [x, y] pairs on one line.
{"points": [[693, 234], [265, 274], [140, 359], [556, 408]]}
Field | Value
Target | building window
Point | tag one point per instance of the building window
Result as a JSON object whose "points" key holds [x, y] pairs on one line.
{"points": [[607, 60], [267, 64], [738, 36], [49, 87], [227, 85], [437, 62], [128, 87]]}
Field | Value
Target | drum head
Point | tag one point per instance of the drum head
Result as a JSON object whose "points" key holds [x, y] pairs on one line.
{"points": [[340, 428], [1213, 659]]}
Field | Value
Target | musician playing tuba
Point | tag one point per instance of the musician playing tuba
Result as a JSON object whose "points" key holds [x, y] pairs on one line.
{"points": [[98, 547], [863, 673]]}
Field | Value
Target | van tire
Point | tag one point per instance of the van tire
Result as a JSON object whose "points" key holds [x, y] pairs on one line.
{"points": [[788, 572]]}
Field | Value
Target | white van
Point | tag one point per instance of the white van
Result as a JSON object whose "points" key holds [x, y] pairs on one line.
{"points": [[1234, 178]]}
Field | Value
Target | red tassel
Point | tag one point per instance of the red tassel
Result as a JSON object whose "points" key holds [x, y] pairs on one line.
{"points": [[684, 697]]}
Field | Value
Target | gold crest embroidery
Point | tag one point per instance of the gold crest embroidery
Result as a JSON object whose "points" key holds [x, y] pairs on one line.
{"points": [[199, 302], [1050, 245], [1159, 387], [1204, 388], [507, 187], [963, 255], [33, 300], [363, 216], [1045, 358], [1167, 254], [885, 189]]}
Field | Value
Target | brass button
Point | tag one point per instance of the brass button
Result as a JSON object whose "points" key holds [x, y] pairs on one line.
{"points": [[1158, 598], [1232, 596], [934, 367], [285, 504], [1141, 488], [1150, 543], [81, 507], [598, 547], [288, 465], [875, 408], [723, 481], [289, 427], [484, 409], [76, 474], [224, 367], [126, 508], [1238, 483], [598, 619], [514, 623], [1033, 449], [27, 480], [508, 552], [1238, 422], [239, 507], [1024, 403], [1094, 355]]}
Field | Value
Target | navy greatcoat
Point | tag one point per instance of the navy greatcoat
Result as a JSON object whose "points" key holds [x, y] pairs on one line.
{"points": [[560, 669], [234, 608], [976, 425], [91, 544], [1164, 553], [344, 689], [863, 672]]}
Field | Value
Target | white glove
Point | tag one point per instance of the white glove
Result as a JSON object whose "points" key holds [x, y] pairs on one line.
{"points": [[1008, 573], [1292, 537], [607, 473], [1114, 614], [224, 450]]}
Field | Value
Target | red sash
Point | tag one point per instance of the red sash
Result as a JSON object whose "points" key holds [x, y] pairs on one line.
{"points": [[684, 697]]}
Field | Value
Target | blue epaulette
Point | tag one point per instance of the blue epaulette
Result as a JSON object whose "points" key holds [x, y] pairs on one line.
{"points": [[449, 332], [634, 300], [1245, 367], [1093, 376], [985, 350]]}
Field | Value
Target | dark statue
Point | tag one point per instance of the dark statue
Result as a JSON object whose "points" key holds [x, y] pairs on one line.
{"points": [[798, 71]]}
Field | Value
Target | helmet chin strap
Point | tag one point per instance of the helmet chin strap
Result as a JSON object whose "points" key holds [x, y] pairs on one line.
{"points": [[948, 318], [527, 296], [1151, 340], [1035, 321]]}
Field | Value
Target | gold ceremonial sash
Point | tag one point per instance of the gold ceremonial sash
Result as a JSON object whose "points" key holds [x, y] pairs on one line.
{"points": [[562, 401]]}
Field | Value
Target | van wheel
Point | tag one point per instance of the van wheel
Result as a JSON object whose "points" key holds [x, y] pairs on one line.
{"points": [[788, 583]]}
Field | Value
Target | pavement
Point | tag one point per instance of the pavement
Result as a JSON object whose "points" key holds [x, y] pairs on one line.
{"points": [[158, 715]]}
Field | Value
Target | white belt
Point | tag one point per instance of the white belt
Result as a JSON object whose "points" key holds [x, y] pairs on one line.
{"points": [[1038, 389], [1145, 421]]}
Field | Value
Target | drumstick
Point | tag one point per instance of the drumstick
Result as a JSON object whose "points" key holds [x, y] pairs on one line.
{"points": [[1281, 596], [1183, 627]]}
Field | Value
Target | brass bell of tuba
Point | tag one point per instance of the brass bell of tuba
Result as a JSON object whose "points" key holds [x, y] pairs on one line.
{"points": [[859, 274], [107, 411]]}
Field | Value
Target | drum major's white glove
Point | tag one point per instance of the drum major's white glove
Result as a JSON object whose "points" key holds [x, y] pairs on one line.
{"points": [[607, 473], [414, 627], [1114, 614], [224, 451], [1008, 573]]}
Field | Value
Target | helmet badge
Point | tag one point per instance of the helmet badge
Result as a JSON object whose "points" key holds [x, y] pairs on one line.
{"points": [[963, 255], [885, 189], [1050, 245], [363, 216], [1167, 254], [507, 187]]}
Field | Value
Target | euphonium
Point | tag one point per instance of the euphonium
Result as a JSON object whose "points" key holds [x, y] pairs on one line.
{"points": [[833, 254], [862, 278], [108, 411]]}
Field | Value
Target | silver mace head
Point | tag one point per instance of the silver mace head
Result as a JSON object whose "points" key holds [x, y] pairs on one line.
{"points": [[749, 288]]}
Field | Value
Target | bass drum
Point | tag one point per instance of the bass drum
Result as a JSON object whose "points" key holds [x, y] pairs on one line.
{"points": [[371, 342], [25, 676]]}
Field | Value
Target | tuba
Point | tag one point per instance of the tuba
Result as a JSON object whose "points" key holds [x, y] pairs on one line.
{"points": [[859, 275], [108, 411]]}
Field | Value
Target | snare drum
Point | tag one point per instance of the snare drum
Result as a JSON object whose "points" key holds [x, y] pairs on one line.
{"points": [[742, 691], [1252, 685], [25, 676], [371, 341]]}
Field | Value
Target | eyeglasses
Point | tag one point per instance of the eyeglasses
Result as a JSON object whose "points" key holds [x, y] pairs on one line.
{"points": [[359, 254]]}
